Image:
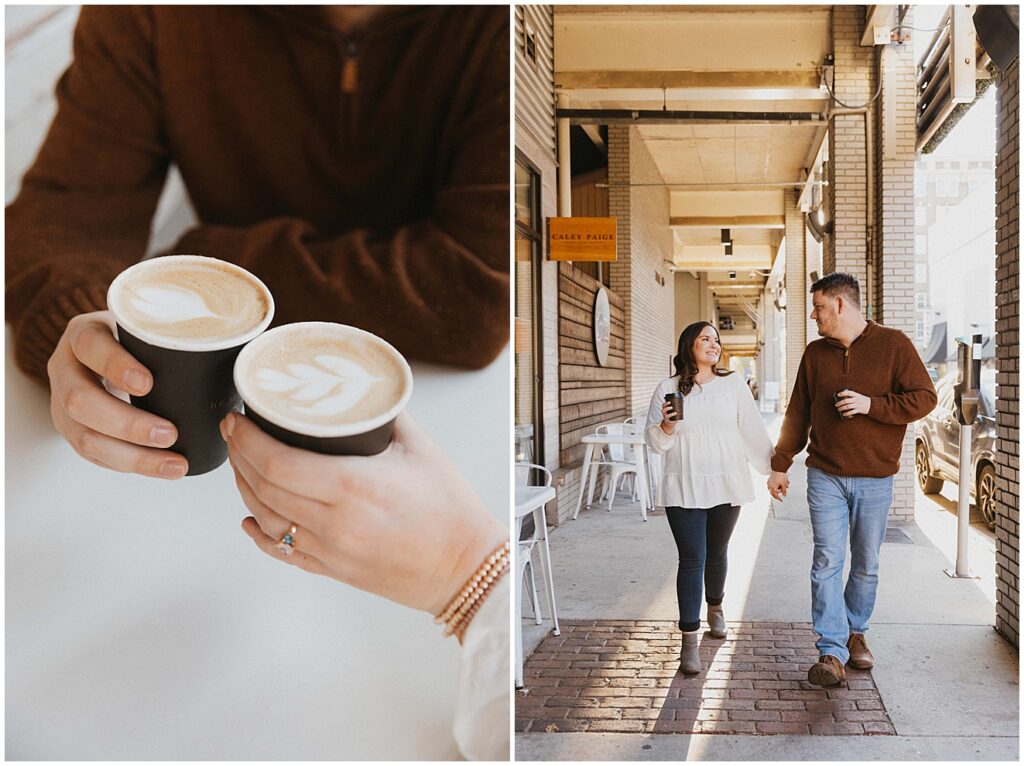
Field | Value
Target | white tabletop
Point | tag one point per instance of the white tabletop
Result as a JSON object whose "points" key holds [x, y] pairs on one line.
{"points": [[142, 623], [630, 438], [529, 499]]}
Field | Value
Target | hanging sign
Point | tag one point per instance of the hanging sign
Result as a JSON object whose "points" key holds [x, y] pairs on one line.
{"points": [[581, 239]]}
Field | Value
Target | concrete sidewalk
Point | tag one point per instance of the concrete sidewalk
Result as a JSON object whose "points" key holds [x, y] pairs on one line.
{"points": [[947, 681]]}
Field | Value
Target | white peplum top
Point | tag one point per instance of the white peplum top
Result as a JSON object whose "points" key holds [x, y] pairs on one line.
{"points": [[706, 462]]}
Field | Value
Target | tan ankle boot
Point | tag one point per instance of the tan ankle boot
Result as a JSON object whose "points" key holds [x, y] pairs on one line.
{"points": [[716, 622], [689, 655]]}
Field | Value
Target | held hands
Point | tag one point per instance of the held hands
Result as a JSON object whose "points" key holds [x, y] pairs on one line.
{"points": [[778, 485], [851, 403], [99, 426], [403, 524], [668, 425]]}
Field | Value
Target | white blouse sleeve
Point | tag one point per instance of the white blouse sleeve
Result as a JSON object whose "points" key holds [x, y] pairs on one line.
{"points": [[482, 707], [755, 436], [658, 440]]}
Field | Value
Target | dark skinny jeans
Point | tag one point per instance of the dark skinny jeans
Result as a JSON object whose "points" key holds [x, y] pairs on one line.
{"points": [[702, 537]]}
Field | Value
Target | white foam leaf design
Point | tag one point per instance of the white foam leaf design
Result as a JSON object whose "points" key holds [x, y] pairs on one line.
{"points": [[305, 372], [273, 380], [332, 388], [167, 304], [314, 390]]}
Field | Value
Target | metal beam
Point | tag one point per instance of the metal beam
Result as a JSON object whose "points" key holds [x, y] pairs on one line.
{"points": [[684, 117], [806, 79], [728, 222]]}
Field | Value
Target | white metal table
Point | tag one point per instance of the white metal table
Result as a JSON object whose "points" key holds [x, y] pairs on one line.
{"points": [[634, 440]]}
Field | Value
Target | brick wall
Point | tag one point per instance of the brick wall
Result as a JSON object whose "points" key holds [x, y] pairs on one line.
{"points": [[619, 208], [1007, 355], [797, 297], [894, 183], [845, 249], [590, 394], [651, 320]]}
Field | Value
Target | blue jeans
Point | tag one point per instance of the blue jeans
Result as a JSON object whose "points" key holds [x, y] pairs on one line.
{"points": [[845, 507], [702, 537]]}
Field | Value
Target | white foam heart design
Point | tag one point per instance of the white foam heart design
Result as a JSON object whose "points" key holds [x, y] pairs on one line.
{"points": [[318, 384], [170, 304]]}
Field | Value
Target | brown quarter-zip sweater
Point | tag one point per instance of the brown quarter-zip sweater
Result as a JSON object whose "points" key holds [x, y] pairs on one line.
{"points": [[882, 364], [363, 177]]}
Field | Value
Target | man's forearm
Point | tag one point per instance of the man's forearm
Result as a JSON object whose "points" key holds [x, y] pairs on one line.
{"points": [[419, 288]]}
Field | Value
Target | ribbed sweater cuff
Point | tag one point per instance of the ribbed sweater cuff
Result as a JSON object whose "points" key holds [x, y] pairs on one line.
{"points": [[38, 333], [877, 408], [781, 463]]}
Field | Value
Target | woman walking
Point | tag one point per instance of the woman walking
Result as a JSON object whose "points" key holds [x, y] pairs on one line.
{"points": [[706, 474]]}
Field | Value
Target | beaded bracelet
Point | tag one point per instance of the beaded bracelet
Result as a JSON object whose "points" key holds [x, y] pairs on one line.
{"points": [[466, 603]]}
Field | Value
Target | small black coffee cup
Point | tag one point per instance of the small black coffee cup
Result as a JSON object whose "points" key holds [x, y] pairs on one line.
{"points": [[836, 398], [364, 436], [193, 386], [676, 400]]}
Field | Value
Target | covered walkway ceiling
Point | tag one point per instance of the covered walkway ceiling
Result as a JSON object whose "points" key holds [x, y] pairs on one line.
{"points": [[749, 65]]}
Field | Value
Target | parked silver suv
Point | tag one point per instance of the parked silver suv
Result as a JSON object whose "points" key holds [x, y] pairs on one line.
{"points": [[937, 450]]}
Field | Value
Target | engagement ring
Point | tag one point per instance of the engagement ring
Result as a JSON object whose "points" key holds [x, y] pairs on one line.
{"points": [[287, 542]]}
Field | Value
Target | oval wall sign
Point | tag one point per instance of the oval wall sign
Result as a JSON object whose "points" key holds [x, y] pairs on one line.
{"points": [[602, 326]]}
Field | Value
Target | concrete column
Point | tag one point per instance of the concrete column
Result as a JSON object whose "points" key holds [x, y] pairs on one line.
{"points": [[895, 265], [797, 297], [1008, 354], [846, 249]]}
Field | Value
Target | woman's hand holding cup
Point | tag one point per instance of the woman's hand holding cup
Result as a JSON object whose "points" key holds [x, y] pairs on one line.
{"points": [[403, 524], [668, 421]]}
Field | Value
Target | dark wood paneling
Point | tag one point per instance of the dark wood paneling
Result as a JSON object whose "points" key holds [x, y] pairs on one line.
{"points": [[589, 394]]}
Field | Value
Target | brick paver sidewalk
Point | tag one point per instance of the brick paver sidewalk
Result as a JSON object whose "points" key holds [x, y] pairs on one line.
{"points": [[620, 676]]}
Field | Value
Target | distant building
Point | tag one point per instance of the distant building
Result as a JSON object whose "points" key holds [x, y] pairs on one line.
{"points": [[954, 281]]}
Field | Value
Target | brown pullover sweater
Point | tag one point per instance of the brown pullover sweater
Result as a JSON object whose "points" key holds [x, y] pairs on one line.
{"points": [[364, 178], [882, 364]]}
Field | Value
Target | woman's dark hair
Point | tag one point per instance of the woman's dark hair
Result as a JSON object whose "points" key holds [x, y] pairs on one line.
{"points": [[685, 363]]}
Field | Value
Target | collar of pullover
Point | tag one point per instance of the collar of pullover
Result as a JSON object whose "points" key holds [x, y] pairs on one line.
{"points": [[314, 20], [866, 331]]}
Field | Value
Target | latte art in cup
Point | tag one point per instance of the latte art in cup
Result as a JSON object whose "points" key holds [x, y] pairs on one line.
{"points": [[185, 318], [322, 379], [189, 301]]}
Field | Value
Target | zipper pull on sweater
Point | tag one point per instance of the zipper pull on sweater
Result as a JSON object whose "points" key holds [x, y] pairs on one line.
{"points": [[350, 70]]}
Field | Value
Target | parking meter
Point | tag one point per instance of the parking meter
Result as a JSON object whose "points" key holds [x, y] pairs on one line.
{"points": [[965, 402], [965, 392]]}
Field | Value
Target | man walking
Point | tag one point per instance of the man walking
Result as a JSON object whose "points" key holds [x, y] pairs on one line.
{"points": [[857, 389]]}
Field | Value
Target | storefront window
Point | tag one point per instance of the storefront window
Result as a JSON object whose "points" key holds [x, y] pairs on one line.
{"points": [[527, 316]]}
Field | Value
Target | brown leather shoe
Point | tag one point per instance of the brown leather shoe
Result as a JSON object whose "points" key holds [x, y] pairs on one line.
{"points": [[827, 671], [860, 655]]}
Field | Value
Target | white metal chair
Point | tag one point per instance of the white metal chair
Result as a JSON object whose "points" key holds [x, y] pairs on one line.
{"points": [[530, 500], [619, 461]]}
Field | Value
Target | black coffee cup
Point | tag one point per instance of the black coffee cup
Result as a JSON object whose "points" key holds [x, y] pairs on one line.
{"points": [[193, 386], [676, 400], [365, 436], [836, 398]]}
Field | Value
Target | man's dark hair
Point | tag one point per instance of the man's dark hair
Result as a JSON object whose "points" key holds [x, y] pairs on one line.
{"points": [[839, 283]]}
